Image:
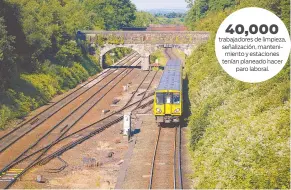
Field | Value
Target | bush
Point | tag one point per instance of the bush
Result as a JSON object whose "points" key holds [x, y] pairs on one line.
{"points": [[91, 64], [67, 79], [21, 104], [45, 84], [79, 72], [5, 115], [115, 55], [160, 55], [68, 53], [239, 133]]}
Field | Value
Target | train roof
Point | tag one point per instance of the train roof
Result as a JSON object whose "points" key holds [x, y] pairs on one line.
{"points": [[174, 63], [171, 78]]}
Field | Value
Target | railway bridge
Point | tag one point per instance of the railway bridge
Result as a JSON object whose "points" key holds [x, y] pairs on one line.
{"points": [[144, 42]]}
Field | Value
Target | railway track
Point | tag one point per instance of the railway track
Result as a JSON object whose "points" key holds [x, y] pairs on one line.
{"points": [[33, 119], [166, 172], [78, 113], [178, 161], [80, 102], [17, 133], [166, 168], [170, 54], [111, 119], [30, 158]]}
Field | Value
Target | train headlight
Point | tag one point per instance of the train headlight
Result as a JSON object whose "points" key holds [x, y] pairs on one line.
{"points": [[159, 110], [177, 110]]}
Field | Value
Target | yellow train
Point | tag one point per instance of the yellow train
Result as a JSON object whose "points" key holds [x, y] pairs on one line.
{"points": [[168, 99]]}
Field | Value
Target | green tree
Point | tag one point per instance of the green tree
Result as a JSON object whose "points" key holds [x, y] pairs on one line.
{"points": [[201, 7], [144, 19], [68, 53], [7, 55], [39, 57], [114, 13]]}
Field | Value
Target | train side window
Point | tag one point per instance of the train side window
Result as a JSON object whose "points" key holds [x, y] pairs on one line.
{"points": [[168, 98], [160, 98], [176, 98]]}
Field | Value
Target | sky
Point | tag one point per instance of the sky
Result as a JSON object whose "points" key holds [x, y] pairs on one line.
{"points": [[157, 4]]}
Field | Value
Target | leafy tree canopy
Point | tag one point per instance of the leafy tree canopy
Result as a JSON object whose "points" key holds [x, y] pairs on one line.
{"points": [[115, 14]]}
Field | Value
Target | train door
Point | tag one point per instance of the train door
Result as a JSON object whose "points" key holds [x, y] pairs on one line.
{"points": [[168, 103]]}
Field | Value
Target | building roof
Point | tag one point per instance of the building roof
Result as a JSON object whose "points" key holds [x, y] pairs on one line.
{"points": [[171, 78], [134, 28]]}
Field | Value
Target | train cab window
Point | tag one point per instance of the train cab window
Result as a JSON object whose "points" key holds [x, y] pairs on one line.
{"points": [[168, 98], [176, 98], [160, 98]]}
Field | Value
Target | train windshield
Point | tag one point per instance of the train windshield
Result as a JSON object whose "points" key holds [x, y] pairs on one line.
{"points": [[176, 98], [160, 98], [168, 98]]}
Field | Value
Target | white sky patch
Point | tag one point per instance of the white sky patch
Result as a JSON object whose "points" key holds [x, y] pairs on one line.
{"points": [[160, 4]]}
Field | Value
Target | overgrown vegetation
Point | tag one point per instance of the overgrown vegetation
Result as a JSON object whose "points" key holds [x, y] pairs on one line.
{"points": [[239, 132], [180, 54], [39, 56], [116, 54], [101, 40], [159, 56]]}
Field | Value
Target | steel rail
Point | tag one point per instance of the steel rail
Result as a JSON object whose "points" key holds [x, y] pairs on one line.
{"points": [[154, 159], [139, 101], [58, 124], [31, 129], [177, 164], [74, 91], [71, 145], [175, 151], [180, 159], [76, 132], [60, 138]]}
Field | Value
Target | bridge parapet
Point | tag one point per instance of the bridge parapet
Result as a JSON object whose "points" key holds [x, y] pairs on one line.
{"points": [[145, 42], [148, 37]]}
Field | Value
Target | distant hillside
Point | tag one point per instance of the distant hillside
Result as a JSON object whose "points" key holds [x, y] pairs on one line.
{"points": [[165, 11]]}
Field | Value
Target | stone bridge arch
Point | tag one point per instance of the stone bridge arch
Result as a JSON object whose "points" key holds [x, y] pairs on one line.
{"points": [[142, 50], [146, 42], [145, 50], [107, 47]]}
